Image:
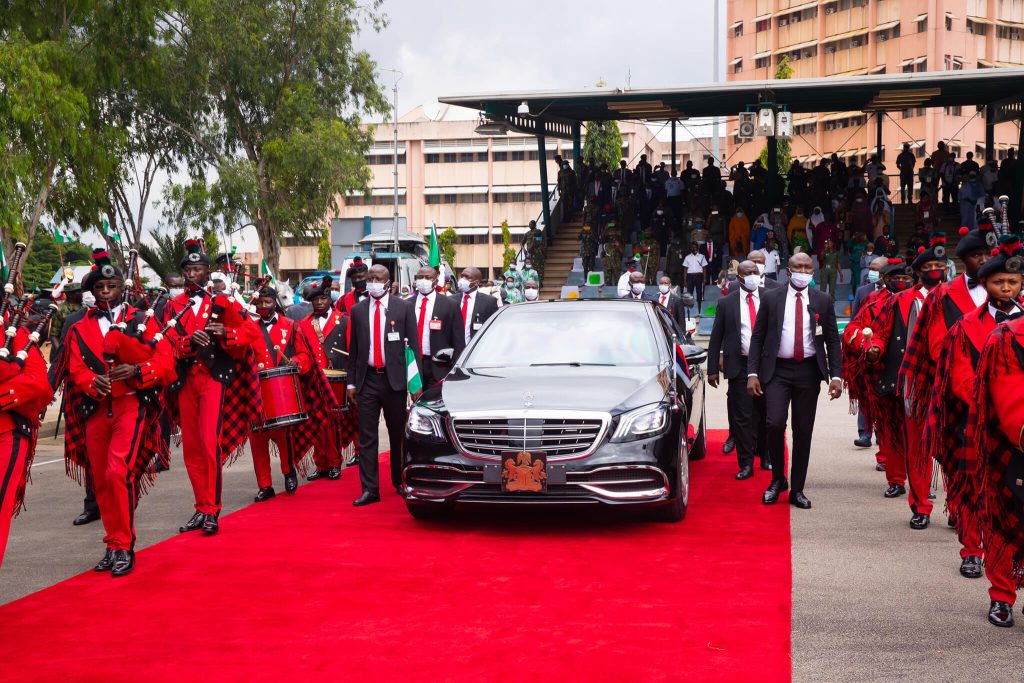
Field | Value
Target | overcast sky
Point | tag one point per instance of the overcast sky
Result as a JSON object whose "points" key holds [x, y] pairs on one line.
{"points": [[453, 47]]}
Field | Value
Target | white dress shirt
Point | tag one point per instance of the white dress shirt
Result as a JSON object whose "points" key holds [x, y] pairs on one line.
{"points": [[197, 304], [469, 311], [104, 320], [381, 331], [789, 333], [977, 293], [429, 314], [694, 263], [746, 329]]}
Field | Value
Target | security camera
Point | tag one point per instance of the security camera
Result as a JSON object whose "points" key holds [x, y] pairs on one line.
{"points": [[524, 109]]}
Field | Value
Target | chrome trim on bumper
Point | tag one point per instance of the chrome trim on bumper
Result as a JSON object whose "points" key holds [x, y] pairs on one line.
{"points": [[605, 419]]}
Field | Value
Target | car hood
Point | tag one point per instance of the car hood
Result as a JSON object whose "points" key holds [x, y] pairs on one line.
{"points": [[605, 389]]}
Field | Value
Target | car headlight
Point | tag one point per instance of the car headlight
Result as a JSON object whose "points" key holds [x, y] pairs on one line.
{"points": [[642, 422], [425, 422]]}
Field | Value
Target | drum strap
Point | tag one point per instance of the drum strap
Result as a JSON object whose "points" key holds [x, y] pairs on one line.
{"points": [[320, 336], [271, 349]]}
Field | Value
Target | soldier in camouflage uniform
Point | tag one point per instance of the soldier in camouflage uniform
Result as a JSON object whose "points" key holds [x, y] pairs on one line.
{"points": [[588, 248], [625, 209], [590, 212], [674, 261], [651, 252], [535, 245], [612, 259]]}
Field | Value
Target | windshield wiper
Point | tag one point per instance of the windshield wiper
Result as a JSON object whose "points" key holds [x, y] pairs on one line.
{"points": [[574, 364]]}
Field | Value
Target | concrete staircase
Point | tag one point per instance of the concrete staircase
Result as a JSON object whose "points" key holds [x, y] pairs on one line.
{"points": [[561, 253]]}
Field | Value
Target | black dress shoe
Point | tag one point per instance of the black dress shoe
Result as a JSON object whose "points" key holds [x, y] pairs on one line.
{"points": [[106, 564], [766, 463], [352, 460], [951, 522], [879, 467], [1000, 614], [771, 494], [291, 482], [746, 472], [862, 443], [894, 491], [919, 521], [194, 524], [970, 567], [367, 498], [316, 474], [334, 473], [729, 446], [265, 493], [210, 525], [86, 517], [124, 562], [798, 500]]}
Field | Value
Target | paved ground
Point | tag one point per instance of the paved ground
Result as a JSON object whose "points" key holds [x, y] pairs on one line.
{"points": [[873, 600]]}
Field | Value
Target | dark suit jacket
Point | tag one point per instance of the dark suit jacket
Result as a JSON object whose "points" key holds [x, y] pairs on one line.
{"points": [[484, 307], [643, 297], [767, 334], [452, 334], [675, 307], [725, 335], [771, 284], [402, 319], [858, 300]]}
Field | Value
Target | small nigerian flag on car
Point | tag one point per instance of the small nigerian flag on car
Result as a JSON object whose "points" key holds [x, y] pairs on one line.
{"points": [[412, 371], [682, 367]]}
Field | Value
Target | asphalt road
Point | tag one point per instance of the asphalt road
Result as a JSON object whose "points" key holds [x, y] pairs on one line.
{"points": [[872, 599]]}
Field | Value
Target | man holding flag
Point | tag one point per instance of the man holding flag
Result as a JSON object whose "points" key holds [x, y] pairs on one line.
{"points": [[382, 368]]}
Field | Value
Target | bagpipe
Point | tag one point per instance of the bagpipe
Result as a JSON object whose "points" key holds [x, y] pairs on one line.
{"points": [[13, 273]]}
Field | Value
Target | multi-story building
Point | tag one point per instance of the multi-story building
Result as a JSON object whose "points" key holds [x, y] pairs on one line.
{"points": [[825, 38], [452, 177]]}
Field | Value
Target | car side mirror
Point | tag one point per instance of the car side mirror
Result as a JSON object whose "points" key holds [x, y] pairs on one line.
{"points": [[688, 299], [444, 357], [695, 355]]}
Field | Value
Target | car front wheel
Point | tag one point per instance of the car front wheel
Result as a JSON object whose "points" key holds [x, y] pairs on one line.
{"points": [[675, 509]]}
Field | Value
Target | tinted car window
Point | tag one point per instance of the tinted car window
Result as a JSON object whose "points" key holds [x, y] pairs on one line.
{"points": [[539, 335]]}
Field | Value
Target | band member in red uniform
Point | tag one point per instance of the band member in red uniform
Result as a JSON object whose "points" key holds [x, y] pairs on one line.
{"points": [[215, 396], [357, 275], [955, 392], [327, 332], [113, 407], [886, 350], [997, 442], [24, 393]]}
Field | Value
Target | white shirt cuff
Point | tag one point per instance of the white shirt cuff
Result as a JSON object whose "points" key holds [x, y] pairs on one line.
{"points": [[751, 374]]}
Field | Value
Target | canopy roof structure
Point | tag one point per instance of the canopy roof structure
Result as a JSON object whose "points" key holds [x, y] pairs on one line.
{"points": [[888, 92]]}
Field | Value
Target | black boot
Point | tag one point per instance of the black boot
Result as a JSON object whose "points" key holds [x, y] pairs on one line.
{"points": [[291, 482]]}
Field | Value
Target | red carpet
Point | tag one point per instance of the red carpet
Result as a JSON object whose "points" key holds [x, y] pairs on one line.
{"points": [[311, 588]]}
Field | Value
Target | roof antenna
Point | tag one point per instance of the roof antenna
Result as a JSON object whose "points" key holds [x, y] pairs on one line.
{"points": [[629, 78]]}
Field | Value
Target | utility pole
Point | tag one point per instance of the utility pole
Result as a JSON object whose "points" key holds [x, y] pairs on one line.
{"points": [[397, 76], [715, 152]]}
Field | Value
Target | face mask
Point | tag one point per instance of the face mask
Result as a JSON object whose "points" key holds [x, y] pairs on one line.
{"points": [[376, 289], [463, 285], [873, 276], [265, 313], [335, 295], [897, 286], [760, 268], [174, 292], [663, 289], [739, 213], [424, 286], [932, 278], [751, 282], [531, 294], [509, 284], [637, 287], [88, 299], [800, 280]]}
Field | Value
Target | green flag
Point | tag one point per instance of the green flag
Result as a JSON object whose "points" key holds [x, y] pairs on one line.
{"points": [[265, 270], [59, 237], [435, 254], [412, 371], [3, 265], [108, 232]]}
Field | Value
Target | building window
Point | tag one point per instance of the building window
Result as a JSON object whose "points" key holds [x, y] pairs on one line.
{"points": [[953, 111], [737, 68], [738, 30], [450, 157], [501, 156], [432, 158], [976, 29], [923, 65], [949, 23], [518, 155], [1009, 32], [761, 62], [952, 63], [762, 25], [384, 159], [534, 155], [375, 200], [922, 25]]}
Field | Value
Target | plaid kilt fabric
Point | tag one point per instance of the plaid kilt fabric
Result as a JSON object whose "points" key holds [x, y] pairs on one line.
{"points": [[241, 408], [1002, 513], [855, 366], [886, 411], [917, 374]]}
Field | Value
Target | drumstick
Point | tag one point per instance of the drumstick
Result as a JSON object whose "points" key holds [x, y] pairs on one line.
{"points": [[337, 350]]}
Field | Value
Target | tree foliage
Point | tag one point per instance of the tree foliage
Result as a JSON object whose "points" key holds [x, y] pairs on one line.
{"points": [[783, 147], [508, 254], [164, 250], [446, 245], [45, 258], [603, 144]]}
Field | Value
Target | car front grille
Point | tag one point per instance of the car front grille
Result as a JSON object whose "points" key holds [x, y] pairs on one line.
{"points": [[559, 437]]}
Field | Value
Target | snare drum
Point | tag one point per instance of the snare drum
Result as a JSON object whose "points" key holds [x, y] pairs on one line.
{"points": [[338, 380], [282, 399]]}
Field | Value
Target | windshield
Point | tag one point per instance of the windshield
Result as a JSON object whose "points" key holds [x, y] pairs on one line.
{"points": [[531, 335]]}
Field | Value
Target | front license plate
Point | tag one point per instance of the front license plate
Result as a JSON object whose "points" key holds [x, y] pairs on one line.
{"points": [[524, 472]]}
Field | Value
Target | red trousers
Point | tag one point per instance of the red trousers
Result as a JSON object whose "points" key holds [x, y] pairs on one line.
{"points": [[327, 452], [112, 445], [970, 536], [259, 444], [1000, 578], [895, 461], [920, 481], [13, 451], [200, 403]]}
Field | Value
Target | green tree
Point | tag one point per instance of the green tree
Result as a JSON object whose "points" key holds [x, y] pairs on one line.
{"points": [[508, 255], [279, 90], [44, 259], [446, 244], [603, 144], [323, 259], [163, 251], [785, 157]]}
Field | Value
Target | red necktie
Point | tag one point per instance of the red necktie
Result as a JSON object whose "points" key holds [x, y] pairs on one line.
{"points": [[465, 307], [423, 316], [798, 329], [663, 299], [378, 346], [753, 311]]}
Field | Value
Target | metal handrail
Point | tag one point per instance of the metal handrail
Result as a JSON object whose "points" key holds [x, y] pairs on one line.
{"points": [[553, 199]]}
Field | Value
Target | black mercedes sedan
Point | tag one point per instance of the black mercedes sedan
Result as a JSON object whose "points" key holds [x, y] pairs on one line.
{"points": [[562, 402]]}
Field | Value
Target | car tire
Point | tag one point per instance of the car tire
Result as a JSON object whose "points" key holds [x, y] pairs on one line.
{"points": [[675, 509], [699, 448], [429, 511]]}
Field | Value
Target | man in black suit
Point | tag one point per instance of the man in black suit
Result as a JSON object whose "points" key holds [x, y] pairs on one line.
{"points": [[793, 348], [381, 327], [757, 257], [671, 301], [439, 324], [475, 306], [735, 317], [637, 288]]}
